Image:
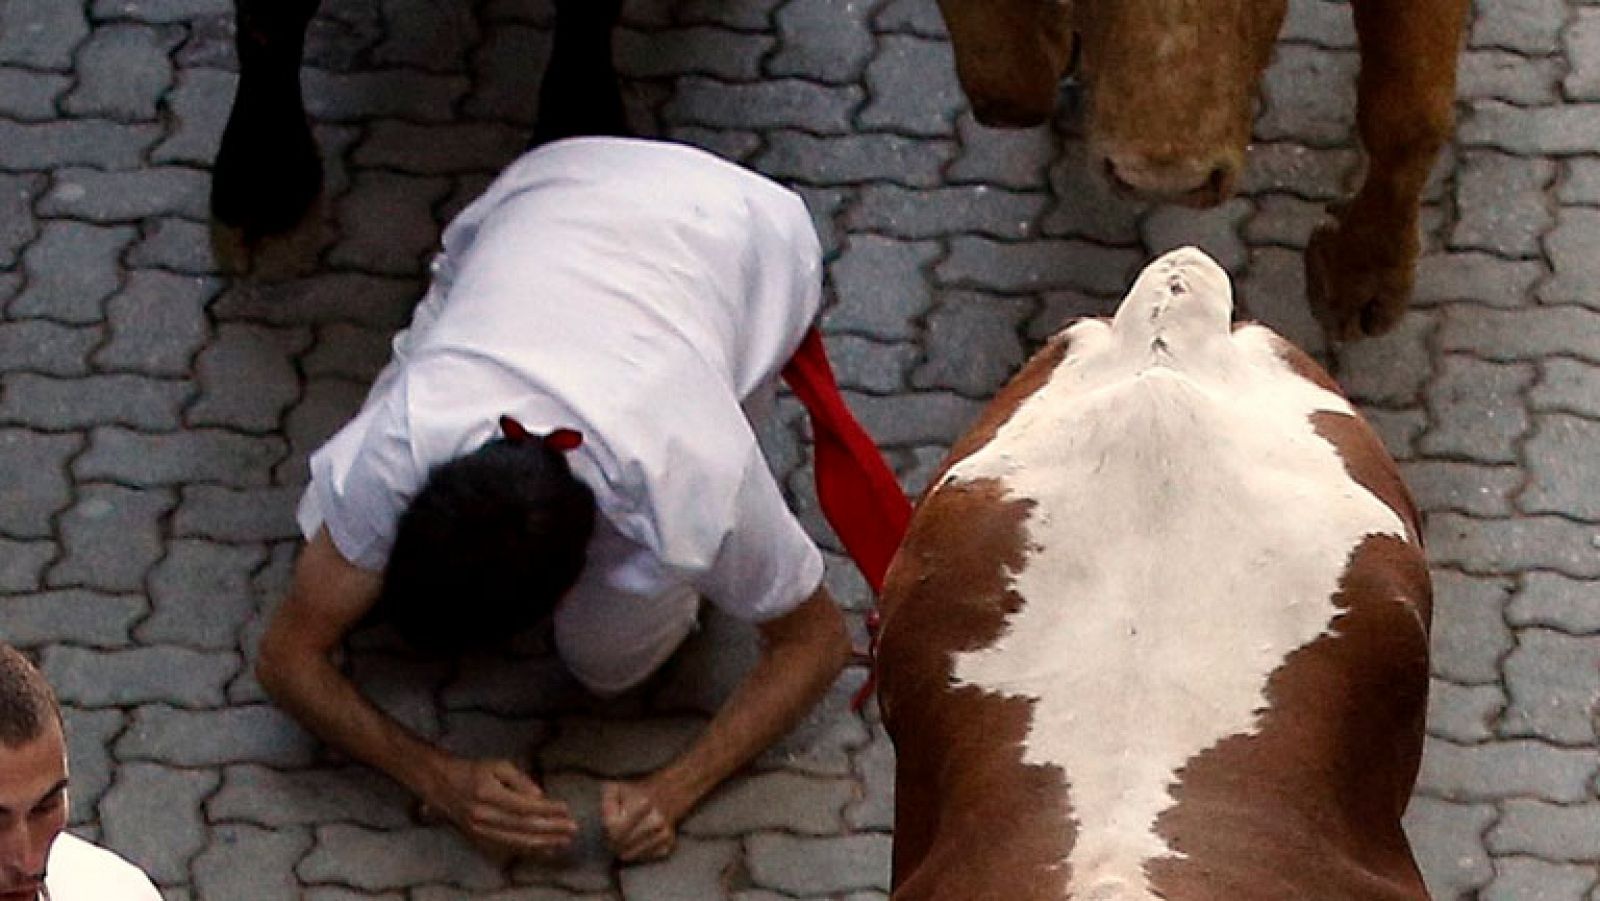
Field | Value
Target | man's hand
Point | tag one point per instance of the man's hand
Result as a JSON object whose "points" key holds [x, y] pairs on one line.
{"points": [[637, 825], [496, 804]]}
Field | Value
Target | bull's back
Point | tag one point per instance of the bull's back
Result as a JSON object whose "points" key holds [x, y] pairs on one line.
{"points": [[1160, 635]]}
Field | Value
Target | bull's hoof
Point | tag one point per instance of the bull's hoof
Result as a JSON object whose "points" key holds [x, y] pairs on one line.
{"points": [[268, 172], [1356, 291]]}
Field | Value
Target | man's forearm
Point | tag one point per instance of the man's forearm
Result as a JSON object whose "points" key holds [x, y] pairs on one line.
{"points": [[791, 675]]}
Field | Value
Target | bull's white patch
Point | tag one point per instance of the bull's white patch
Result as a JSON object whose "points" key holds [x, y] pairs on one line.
{"points": [[1188, 531]]}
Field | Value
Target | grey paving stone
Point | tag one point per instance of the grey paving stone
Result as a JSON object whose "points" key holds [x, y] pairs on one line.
{"points": [[395, 859], [387, 223], [1530, 879], [910, 17], [1502, 204], [535, 686], [110, 538], [84, 618], [697, 869], [199, 102], [881, 287], [517, 57], [1567, 386], [1554, 601], [472, 734], [59, 404], [812, 806], [1499, 75], [1476, 277], [1469, 488], [209, 45], [1308, 94], [1059, 309], [620, 748], [972, 345], [1009, 158], [915, 418], [912, 88], [845, 159], [774, 103], [1581, 40], [122, 72], [1464, 714], [737, 146], [1399, 429], [1532, 27], [710, 52], [397, 94], [30, 96], [142, 675], [200, 595], [1525, 335], [18, 225], [157, 323], [1216, 231], [89, 735], [146, 796], [824, 205], [439, 149], [1506, 769], [375, 301], [279, 799], [824, 40], [90, 142], [1549, 831], [1572, 128], [22, 565], [49, 348], [920, 215], [209, 738], [1573, 249], [1581, 184], [401, 686], [41, 34], [864, 364], [1391, 370], [1470, 636], [1448, 840], [1478, 410], [1086, 207], [1313, 173], [34, 485], [247, 377], [819, 866], [226, 514], [325, 407], [208, 456], [180, 245], [874, 810], [424, 35], [1554, 685], [1499, 546], [709, 666], [109, 197], [242, 861], [1281, 219], [71, 270], [1319, 22], [1037, 266], [1562, 467]]}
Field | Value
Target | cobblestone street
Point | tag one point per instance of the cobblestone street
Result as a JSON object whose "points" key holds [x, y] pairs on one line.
{"points": [[161, 387]]}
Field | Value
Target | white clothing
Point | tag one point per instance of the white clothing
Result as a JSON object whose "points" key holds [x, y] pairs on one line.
{"points": [[640, 292], [79, 871]]}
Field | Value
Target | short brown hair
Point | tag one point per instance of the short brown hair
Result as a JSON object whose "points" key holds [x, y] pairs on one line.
{"points": [[27, 704]]}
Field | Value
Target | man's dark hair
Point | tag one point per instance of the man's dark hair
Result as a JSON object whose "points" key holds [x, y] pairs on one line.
{"points": [[27, 704], [487, 547]]}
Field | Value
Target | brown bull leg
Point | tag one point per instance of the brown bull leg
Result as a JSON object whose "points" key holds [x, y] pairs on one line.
{"points": [[268, 169], [1359, 273]]}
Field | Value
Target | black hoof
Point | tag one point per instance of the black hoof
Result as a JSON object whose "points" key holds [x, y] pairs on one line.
{"points": [[268, 172]]}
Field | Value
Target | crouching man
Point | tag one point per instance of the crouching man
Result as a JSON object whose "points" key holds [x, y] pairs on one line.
{"points": [[39, 861]]}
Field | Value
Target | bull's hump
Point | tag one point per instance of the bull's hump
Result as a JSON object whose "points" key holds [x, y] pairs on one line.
{"points": [[1188, 532]]}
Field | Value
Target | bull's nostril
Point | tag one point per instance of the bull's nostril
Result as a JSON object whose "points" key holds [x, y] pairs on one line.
{"points": [[1221, 182], [1115, 178]]}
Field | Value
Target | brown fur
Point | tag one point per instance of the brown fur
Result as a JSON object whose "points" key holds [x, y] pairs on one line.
{"points": [[1308, 808], [1174, 84]]}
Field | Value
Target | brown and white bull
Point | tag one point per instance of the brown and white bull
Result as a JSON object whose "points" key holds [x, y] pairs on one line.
{"points": [[1173, 90], [1160, 628]]}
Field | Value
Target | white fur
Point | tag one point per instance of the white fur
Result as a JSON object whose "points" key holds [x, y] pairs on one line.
{"points": [[1188, 532]]}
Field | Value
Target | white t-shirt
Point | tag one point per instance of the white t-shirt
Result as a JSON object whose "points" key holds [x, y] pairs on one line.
{"points": [[79, 871], [642, 293]]}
